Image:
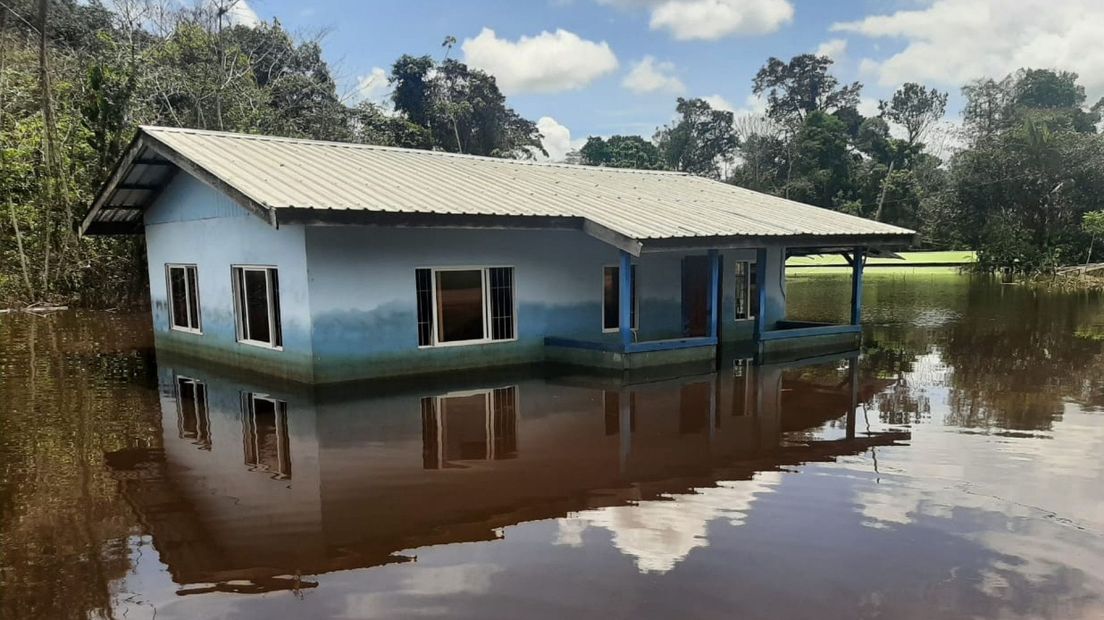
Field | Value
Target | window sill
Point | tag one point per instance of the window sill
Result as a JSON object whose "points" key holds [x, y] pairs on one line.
{"points": [[465, 343], [261, 345], [186, 330]]}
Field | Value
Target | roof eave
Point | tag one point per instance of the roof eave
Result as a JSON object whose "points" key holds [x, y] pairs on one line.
{"points": [[125, 166], [736, 242]]}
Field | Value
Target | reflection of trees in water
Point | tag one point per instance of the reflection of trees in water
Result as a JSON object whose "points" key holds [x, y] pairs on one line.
{"points": [[1018, 357], [892, 353], [64, 405], [1011, 358]]}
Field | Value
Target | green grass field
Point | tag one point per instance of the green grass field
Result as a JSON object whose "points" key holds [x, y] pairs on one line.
{"points": [[912, 261]]}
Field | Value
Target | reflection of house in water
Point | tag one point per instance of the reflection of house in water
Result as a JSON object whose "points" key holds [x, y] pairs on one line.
{"points": [[193, 421], [357, 475], [265, 434], [469, 426]]}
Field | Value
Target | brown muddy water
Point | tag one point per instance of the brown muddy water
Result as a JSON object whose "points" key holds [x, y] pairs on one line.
{"points": [[954, 470]]}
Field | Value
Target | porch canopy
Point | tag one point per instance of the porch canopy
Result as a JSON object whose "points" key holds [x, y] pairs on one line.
{"points": [[294, 181]]}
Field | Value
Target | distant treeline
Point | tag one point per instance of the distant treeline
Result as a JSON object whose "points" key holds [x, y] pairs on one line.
{"points": [[76, 78]]}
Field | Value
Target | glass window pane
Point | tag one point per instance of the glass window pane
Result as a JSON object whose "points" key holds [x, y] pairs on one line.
{"points": [[277, 339], [502, 302], [459, 305], [611, 299], [741, 290], [193, 296], [753, 290], [422, 280], [256, 305], [178, 297]]}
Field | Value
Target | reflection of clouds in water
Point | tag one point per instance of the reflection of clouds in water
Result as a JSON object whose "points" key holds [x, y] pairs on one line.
{"points": [[437, 580], [661, 533], [425, 581], [1032, 500], [1038, 477]]}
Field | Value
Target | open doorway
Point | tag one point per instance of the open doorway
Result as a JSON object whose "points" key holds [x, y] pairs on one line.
{"points": [[695, 296]]}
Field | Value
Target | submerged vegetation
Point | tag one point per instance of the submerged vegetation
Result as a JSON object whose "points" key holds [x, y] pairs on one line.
{"points": [[1015, 182]]}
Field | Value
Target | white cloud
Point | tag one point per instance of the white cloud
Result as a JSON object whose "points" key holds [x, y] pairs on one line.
{"points": [[753, 105], [836, 49], [649, 76], [547, 63], [372, 87], [868, 106], [713, 19], [557, 138], [241, 14], [950, 42]]}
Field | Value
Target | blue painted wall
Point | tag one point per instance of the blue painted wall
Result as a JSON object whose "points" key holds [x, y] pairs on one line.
{"points": [[194, 224], [362, 294]]}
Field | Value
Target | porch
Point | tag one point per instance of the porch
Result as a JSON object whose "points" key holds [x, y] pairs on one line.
{"points": [[771, 337]]}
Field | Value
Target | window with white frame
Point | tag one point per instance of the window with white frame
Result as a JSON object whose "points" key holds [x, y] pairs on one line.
{"points": [[257, 305], [611, 298], [183, 297], [747, 291], [465, 305]]}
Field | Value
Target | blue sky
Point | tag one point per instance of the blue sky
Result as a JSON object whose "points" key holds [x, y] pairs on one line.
{"points": [[571, 60]]}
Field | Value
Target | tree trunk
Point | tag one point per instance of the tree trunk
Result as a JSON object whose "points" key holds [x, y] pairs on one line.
{"points": [[885, 184]]}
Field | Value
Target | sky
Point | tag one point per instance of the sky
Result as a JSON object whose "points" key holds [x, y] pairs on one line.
{"points": [[606, 67]]}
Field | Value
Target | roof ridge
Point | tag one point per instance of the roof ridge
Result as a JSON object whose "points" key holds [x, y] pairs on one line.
{"points": [[410, 151]]}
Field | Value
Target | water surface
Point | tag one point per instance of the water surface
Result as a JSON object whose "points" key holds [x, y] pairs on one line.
{"points": [[952, 471]]}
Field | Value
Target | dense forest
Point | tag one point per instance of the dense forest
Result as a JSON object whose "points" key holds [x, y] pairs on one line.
{"points": [[77, 77]]}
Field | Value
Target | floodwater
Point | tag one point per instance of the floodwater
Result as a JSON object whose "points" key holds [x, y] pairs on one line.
{"points": [[954, 470]]}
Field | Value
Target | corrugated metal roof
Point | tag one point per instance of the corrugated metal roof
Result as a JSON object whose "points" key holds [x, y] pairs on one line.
{"points": [[281, 173]]}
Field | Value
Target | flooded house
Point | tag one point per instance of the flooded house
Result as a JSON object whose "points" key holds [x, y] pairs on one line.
{"points": [[325, 262]]}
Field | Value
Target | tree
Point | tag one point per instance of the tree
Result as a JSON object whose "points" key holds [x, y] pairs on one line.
{"points": [[802, 86], [470, 115], [412, 88], [1093, 224], [371, 125], [461, 109], [762, 154], [823, 164], [302, 95], [701, 141], [915, 108], [621, 152], [1050, 97]]}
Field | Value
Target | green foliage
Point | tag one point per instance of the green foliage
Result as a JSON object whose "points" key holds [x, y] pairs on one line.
{"points": [[915, 108], [460, 109], [1033, 169], [1093, 223], [110, 70], [822, 165], [621, 152], [802, 86], [701, 141]]}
